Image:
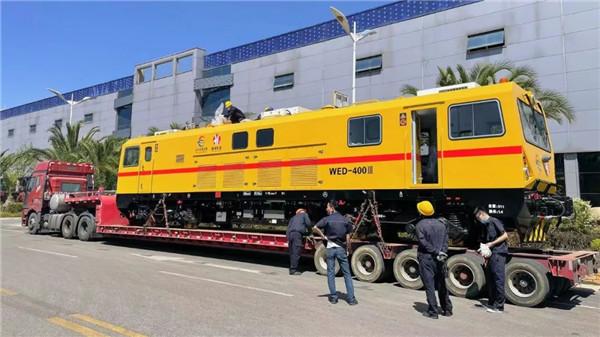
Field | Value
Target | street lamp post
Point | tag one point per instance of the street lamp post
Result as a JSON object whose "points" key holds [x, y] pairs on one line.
{"points": [[343, 21], [71, 101]]}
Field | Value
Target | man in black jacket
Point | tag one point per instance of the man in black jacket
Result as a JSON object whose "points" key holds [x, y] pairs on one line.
{"points": [[297, 227], [432, 254], [232, 113]]}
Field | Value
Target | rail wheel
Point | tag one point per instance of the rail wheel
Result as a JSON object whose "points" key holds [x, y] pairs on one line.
{"points": [[527, 282], [69, 225], [320, 260], [33, 223], [86, 226], [406, 269], [368, 264], [466, 277]]}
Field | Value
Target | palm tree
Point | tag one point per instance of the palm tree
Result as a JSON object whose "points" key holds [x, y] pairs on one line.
{"points": [[176, 126], [104, 155], [554, 103], [66, 147], [152, 130]]}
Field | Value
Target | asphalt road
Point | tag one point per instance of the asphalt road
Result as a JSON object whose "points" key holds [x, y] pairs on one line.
{"points": [[56, 287]]}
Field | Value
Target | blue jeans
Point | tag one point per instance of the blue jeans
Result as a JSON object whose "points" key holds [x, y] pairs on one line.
{"points": [[339, 254]]}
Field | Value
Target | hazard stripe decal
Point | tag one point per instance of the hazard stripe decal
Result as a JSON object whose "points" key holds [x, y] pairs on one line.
{"points": [[490, 151]]}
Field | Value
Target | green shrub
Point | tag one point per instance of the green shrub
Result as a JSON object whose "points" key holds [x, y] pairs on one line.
{"points": [[12, 207], [595, 245], [569, 240]]}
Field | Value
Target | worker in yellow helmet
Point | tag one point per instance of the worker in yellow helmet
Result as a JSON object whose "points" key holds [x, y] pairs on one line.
{"points": [[432, 254], [232, 113]]}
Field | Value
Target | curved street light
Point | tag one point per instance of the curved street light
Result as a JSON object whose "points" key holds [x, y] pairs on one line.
{"points": [[71, 102]]}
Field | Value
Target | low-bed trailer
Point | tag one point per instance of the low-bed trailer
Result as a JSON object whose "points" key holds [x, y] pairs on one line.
{"points": [[532, 275]]}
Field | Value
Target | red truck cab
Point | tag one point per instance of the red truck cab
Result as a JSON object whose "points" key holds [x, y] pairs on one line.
{"points": [[48, 178]]}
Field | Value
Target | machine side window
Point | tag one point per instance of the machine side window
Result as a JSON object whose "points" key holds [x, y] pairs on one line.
{"points": [[131, 157], [148, 153], [364, 131], [239, 140], [264, 137], [534, 126], [475, 120]]}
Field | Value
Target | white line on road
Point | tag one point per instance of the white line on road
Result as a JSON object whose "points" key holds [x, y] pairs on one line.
{"points": [[227, 284], [12, 230], [163, 258], [46, 252]]}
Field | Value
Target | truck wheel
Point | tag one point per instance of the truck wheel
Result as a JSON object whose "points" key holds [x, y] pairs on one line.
{"points": [[33, 223], [368, 264], [466, 277], [86, 226], [320, 260], [68, 225], [406, 269], [527, 282]]}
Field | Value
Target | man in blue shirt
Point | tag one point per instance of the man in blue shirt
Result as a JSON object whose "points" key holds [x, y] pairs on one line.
{"points": [[297, 227], [336, 236], [495, 239]]}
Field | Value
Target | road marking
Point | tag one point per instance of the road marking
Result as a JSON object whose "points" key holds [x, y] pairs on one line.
{"points": [[115, 328], [82, 330], [228, 284], [46, 252], [12, 230], [163, 258], [6, 292]]}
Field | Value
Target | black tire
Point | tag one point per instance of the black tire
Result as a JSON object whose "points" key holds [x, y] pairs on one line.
{"points": [[320, 260], [68, 226], [466, 277], [33, 223], [527, 282], [86, 226], [406, 269], [368, 264]]}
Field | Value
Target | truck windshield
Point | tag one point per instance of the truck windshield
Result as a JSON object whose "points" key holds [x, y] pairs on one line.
{"points": [[70, 187], [534, 126]]}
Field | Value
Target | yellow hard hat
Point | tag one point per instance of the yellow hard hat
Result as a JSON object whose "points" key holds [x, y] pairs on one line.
{"points": [[425, 208], [227, 104]]}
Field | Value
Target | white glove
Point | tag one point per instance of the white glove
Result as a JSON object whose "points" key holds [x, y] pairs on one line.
{"points": [[442, 257], [484, 250]]}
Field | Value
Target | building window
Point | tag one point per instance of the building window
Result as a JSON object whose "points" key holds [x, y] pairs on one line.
{"points": [[589, 176], [11, 132], [559, 171], [184, 64], [58, 123], [131, 157], [124, 117], [264, 137], [217, 71], [144, 74], [148, 153], [485, 40], [283, 82], [364, 131], [162, 70], [239, 140], [32, 128], [211, 98], [88, 118], [474, 120], [369, 65]]}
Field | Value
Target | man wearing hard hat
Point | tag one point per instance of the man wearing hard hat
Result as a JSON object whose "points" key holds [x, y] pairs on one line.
{"points": [[432, 254], [232, 113]]}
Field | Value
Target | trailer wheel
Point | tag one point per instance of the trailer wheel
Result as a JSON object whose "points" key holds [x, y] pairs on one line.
{"points": [[68, 225], [527, 282], [86, 226], [33, 223], [368, 264], [466, 277], [320, 260], [406, 269]]}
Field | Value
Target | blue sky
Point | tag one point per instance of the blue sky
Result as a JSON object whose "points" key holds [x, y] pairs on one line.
{"points": [[71, 45]]}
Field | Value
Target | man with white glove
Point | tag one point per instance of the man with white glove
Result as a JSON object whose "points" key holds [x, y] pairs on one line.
{"points": [[495, 251]]}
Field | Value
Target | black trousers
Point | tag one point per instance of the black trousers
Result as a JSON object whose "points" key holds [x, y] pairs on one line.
{"points": [[433, 273], [295, 247], [495, 280]]}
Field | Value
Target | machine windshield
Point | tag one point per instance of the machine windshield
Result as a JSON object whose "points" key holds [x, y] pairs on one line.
{"points": [[534, 126]]}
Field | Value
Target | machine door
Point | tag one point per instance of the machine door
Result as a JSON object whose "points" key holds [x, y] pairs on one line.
{"points": [[146, 167], [425, 146]]}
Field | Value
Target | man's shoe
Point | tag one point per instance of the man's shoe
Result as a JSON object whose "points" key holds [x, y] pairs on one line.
{"points": [[333, 300], [447, 313], [495, 310], [430, 314], [295, 273], [353, 302]]}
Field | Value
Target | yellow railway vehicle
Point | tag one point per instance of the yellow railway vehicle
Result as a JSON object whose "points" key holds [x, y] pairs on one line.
{"points": [[460, 147]]}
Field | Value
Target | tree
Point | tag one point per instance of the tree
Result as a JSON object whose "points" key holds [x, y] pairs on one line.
{"points": [[66, 147], [104, 155], [152, 130], [556, 106]]}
